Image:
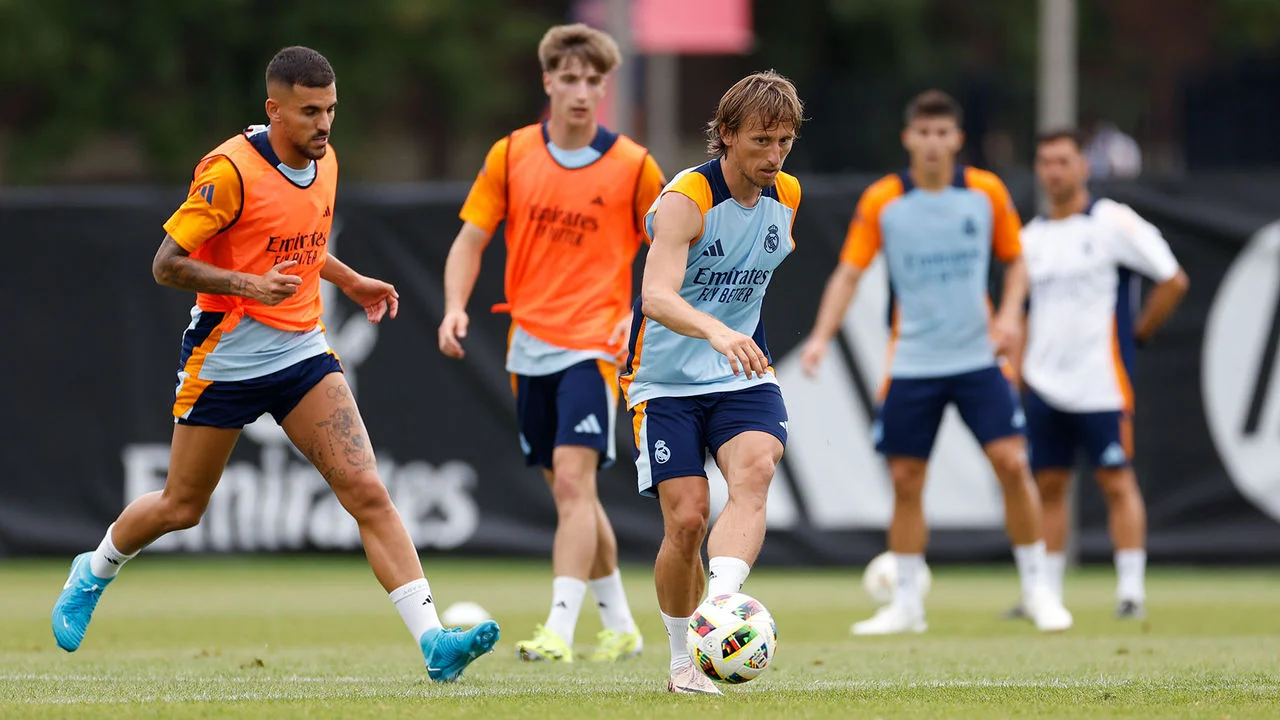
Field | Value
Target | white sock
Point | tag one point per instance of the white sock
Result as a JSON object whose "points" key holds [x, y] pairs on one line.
{"points": [[1131, 570], [1030, 560], [416, 606], [566, 602], [1055, 570], [907, 592], [611, 600], [727, 575], [677, 632], [106, 561]]}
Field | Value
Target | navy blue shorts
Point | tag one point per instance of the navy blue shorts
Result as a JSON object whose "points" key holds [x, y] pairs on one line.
{"points": [[674, 434], [577, 406], [227, 404], [911, 411], [1054, 436]]}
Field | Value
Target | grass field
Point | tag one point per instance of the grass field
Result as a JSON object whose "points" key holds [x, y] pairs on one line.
{"points": [[293, 638]]}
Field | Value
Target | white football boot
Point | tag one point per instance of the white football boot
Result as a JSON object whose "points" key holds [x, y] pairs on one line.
{"points": [[1047, 611], [891, 619]]}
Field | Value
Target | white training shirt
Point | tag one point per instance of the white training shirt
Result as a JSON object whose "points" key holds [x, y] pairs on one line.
{"points": [[1084, 300]]}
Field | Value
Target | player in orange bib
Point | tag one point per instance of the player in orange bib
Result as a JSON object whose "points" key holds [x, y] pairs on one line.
{"points": [[251, 241], [573, 195]]}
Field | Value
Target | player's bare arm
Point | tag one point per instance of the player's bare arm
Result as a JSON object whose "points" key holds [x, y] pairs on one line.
{"points": [[378, 298], [1015, 356], [174, 267], [841, 287], [1163, 299], [1013, 300], [676, 224], [460, 272]]}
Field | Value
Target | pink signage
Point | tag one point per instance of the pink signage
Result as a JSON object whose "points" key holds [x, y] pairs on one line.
{"points": [[692, 27]]}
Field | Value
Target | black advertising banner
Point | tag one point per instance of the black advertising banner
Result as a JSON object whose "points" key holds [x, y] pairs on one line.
{"points": [[92, 347]]}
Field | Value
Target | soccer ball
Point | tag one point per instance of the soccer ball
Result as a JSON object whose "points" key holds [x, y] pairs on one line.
{"points": [[464, 614], [881, 576], [732, 638]]}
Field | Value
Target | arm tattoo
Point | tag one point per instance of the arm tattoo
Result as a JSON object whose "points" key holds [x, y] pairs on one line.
{"points": [[175, 268]]}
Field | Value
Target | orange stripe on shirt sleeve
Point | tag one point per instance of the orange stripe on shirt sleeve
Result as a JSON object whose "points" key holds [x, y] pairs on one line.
{"points": [[789, 195], [694, 186], [213, 203], [1005, 223], [863, 240], [192, 386], [486, 203]]}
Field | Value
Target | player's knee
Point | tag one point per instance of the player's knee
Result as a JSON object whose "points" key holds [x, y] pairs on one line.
{"points": [[572, 489], [687, 523], [1117, 485], [1051, 494], [1009, 461], [908, 482], [185, 513], [755, 475], [366, 497]]}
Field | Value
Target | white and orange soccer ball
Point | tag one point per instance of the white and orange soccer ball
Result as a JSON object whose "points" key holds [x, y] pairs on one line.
{"points": [[732, 638], [881, 576]]}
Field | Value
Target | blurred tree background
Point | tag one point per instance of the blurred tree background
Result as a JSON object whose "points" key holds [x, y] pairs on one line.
{"points": [[135, 91]]}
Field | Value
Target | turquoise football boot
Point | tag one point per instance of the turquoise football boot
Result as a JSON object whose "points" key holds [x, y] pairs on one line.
{"points": [[449, 652], [74, 608]]}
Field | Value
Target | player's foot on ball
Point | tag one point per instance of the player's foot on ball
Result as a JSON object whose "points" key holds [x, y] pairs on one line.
{"points": [[1131, 610], [689, 680], [613, 646], [891, 620], [545, 646], [1047, 612], [449, 652], [1017, 612], [74, 608]]}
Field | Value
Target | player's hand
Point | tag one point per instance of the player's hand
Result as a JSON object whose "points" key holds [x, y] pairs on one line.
{"points": [[274, 287], [1006, 333], [620, 338], [811, 356], [378, 298], [453, 329], [745, 357]]}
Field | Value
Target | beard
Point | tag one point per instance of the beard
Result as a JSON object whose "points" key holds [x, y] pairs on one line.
{"points": [[762, 184], [310, 152]]}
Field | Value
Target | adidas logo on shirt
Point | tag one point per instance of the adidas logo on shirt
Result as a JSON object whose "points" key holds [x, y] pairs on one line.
{"points": [[589, 426], [714, 250], [326, 211]]}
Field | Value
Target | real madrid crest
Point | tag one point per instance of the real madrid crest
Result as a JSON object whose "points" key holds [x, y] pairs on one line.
{"points": [[771, 239]]}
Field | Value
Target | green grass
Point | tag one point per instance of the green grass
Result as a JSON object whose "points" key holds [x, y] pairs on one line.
{"points": [[295, 638]]}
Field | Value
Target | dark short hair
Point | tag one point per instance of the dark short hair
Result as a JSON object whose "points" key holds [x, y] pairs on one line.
{"points": [[299, 65], [1064, 133], [933, 104]]}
